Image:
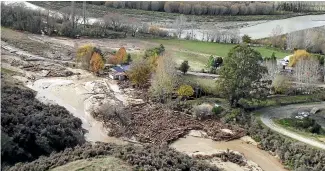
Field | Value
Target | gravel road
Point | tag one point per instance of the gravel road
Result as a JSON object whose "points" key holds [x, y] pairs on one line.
{"points": [[285, 111]]}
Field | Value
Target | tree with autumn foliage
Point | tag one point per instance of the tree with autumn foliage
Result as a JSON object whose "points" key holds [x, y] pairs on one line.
{"points": [[121, 57], [96, 62], [84, 54], [140, 72], [298, 55], [90, 58]]}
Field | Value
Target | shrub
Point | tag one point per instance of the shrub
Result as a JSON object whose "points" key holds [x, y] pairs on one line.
{"points": [[154, 51], [202, 111], [140, 72], [281, 84], [230, 117], [158, 31], [246, 39], [30, 128], [217, 110], [184, 67], [185, 91]]}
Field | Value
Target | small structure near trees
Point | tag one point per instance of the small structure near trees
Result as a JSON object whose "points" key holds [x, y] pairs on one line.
{"points": [[119, 72]]}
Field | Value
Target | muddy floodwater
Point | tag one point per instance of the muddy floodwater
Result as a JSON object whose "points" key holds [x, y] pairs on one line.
{"points": [[191, 144], [71, 94]]}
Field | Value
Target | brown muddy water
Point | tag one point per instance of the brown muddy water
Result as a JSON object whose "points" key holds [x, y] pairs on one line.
{"points": [[191, 144]]}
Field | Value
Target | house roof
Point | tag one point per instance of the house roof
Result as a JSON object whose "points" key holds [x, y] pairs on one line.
{"points": [[125, 67], [118, 69]]}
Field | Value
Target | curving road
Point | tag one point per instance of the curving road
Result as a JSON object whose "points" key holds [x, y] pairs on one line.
{"points": [[268, 114]]}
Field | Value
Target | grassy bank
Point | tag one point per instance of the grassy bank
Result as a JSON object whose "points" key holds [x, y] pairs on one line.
{"points": [[279, 101], [287, 124]]}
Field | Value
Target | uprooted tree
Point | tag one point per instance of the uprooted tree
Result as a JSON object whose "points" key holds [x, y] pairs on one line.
{"points": [[240, 72]]}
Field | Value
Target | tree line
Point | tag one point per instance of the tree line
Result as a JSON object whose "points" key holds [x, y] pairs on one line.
{"points": [[199, 8], [73, 22], [301, 6]]}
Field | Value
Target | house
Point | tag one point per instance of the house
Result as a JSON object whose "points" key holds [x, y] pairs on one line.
{"points": [[119, 72]]}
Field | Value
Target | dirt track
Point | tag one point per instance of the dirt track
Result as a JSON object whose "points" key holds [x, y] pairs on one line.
{"points": [[268, 114]]}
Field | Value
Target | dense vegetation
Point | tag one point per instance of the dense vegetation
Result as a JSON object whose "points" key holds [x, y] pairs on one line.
{"points": [[30, 128], [21, 18], [297, 156], [147, 157], [217, 8], [306, 124]]}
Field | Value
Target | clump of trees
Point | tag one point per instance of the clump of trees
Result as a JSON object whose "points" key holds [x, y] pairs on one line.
{"points": [[30, 129], [240, 74], [246, 39], [121, 57], [301, 6], [200, 8], [164, 80], [313, 40], [90, 58], [140, 72]]}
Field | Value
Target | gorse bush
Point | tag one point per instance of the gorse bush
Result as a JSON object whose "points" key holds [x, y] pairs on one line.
{"points": [[154, 51], [31, 129], [296, 155], [146, 157]]}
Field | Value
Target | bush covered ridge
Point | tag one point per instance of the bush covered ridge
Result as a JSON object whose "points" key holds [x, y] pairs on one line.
{"points": [[146, 157], [31, 129]]}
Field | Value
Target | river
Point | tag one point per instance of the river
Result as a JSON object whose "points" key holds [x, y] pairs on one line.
{"points": [[190, 144], [261, 30]]}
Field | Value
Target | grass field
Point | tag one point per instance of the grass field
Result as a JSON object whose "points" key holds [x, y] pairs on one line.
{"points": [[218, 49], [198, 52]]}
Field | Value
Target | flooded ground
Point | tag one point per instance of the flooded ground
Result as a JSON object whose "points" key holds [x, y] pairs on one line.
{"points": [[71, 94], [191, 144]]}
